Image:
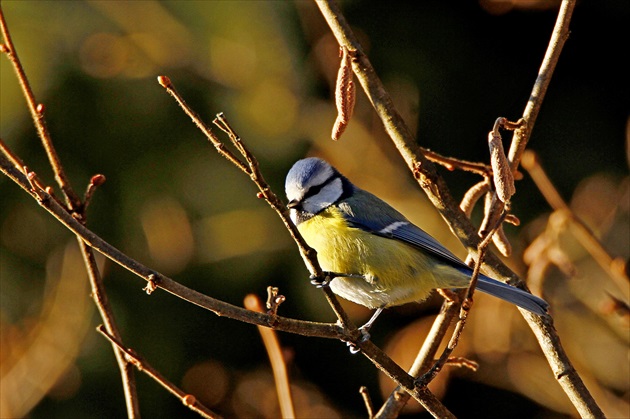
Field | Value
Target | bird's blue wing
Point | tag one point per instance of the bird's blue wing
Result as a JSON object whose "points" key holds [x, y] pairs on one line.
{"points": [[369, 213]]}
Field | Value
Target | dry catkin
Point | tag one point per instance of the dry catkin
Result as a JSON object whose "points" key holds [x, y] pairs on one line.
{"points": [[502, 174], [345, 93]]}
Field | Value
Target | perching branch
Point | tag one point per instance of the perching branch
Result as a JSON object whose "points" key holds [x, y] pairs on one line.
{"points": [[218, 307], [437, 191]]}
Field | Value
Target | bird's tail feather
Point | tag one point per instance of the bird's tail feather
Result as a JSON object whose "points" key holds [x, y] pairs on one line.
{"points": [[512, 295]]}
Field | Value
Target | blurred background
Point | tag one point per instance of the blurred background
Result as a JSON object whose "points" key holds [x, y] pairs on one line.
{"points": [[172, 203]]}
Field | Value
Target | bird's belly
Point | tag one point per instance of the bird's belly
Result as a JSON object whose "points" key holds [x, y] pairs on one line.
{"points": [[393, 272]]}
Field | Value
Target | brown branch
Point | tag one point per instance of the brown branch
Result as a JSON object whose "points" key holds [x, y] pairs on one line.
{"points": [[437, 191], [463, 311], [73, 206], [558, 37], [367, 400], [142, 365], [102, 304], [276, 358], [452, 163], [36, 110]]}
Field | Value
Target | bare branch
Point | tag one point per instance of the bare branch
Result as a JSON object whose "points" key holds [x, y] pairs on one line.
{"points": [[142, 365], [73, 207], [37, 113], [276, 358]]}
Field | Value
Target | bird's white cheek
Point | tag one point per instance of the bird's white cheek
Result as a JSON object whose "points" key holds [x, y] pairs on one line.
{"points": [[293, 215]]}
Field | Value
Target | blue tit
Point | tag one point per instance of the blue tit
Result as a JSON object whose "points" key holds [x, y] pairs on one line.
{"points": [[377, 257]]}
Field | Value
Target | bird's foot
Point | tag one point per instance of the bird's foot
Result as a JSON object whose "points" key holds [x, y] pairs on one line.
{"points": [[323, 280], [326, 277], [365, 336]]}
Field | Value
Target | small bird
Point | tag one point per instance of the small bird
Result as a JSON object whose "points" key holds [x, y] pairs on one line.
{"points": [[371, 253]]}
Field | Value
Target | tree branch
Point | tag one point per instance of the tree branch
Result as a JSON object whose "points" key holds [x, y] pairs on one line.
{"points": [[437, 191], [75, 208], [187, 399]]}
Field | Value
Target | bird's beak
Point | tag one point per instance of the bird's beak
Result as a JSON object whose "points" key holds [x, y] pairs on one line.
{"points": [[293, 204]]}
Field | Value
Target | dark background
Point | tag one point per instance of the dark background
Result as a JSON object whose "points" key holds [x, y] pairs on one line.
{"points": [[172, 203]]}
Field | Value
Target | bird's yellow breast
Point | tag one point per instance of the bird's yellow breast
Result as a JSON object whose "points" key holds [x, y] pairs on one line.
{"points": [[394, 272]]}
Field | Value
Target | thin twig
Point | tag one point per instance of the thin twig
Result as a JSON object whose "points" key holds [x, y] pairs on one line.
{"points": [[252, 169], [142, 365], [452, 163], [367, 400], [558, 37], [165, 82], [36, 110], [463, 311], [276, 358], [309, 255], [102, 304], [4, 149]]}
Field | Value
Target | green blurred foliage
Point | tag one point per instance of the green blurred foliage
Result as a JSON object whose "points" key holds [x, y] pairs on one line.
{"points": [[172, 203]]}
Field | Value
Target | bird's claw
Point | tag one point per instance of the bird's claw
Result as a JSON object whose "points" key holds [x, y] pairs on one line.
{"points": [[321, 281], [354, 349], [365, 336]]}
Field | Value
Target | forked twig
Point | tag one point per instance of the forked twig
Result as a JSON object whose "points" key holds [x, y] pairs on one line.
{"points": [[463, 312]]}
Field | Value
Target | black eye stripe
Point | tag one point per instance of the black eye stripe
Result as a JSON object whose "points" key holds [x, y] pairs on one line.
{"points": [[314, 190]]}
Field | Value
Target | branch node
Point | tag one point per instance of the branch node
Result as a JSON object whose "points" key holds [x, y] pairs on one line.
{"points": [[189, 400], [165, 82], [95, 181], [152, 284], [458, 361], [274, 299]]}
